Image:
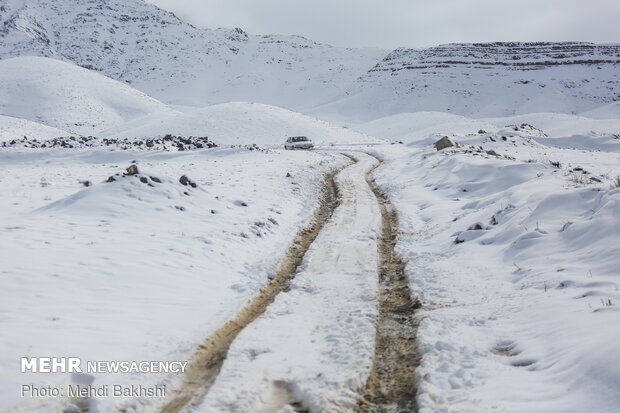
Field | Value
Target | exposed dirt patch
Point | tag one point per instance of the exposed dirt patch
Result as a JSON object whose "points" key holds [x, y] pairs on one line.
{"points": [[391, 386], [210, 355]]}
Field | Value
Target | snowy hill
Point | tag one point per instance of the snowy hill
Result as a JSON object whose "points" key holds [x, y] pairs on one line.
{"points": [[239, 123], [16, 128], [482, 80], [64, 96], [138, 43], [44, 98]]}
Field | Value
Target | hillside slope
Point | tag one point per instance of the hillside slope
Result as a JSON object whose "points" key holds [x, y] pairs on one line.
{"points": [[16, 128], [239, 123], [64, 96]]}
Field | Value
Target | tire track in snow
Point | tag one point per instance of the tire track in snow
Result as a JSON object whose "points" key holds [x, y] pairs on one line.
{"points": [[391, 386], [211, 353], [316, 341]]}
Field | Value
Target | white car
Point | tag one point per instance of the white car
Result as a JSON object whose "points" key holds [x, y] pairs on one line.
{"points": [[298, 142]]}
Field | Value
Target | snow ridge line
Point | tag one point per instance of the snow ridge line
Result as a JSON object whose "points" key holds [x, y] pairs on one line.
{"points": [[391, 385], [211, 353]]}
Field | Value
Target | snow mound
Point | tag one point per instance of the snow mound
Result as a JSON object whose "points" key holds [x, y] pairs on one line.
{"points": [[515, 258], [129, 193], [65, 96], [239, 123], [15, 128]]}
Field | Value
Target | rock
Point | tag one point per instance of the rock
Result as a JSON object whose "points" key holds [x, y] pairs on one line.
{"points": [[492, 152], [288, 175], [155, 179], [132, 170], [443, 143], [184, 180], [476, 227], [144, 180]]}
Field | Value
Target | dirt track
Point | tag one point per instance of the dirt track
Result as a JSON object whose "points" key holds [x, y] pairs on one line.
{"points": [[391, 385]]}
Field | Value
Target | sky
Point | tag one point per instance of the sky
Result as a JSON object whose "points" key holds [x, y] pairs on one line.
{"points": [[390, 24]]}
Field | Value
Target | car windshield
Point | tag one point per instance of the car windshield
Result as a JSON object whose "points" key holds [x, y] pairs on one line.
{"points": [[300, 139]]}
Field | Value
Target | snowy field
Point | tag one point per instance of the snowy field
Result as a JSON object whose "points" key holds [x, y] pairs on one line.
{"points": [[510, 238], [132, 270]]}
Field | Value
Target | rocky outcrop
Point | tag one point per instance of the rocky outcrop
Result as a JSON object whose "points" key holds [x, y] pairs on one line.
{"points": [[514, 56]]}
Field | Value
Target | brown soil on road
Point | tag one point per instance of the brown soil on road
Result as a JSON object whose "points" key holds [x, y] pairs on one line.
{"points": [[391, 386]]}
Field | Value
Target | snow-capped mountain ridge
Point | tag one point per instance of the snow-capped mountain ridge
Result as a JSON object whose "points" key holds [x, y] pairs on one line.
{"points": [[485, 80], [513, 55], [177, 63], [152, 49]]}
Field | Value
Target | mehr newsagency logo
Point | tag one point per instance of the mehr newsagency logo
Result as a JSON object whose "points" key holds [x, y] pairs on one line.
{"points": [[82, 387]]}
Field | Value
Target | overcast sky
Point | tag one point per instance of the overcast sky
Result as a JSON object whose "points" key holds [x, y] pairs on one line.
{"points": [[409, 23]]}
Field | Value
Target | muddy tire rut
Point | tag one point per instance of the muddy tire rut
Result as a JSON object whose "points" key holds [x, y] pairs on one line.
{"points": [[210, 355], [391, 386]]}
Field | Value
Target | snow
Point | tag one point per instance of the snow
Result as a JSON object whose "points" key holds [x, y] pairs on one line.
{"points": [[318, 338], [419, 126], [122, 268], [511, 237], [16, 128], [64, 96], [240, 123], [484, 80], [151, 49], [60, 95], [517, 316]]}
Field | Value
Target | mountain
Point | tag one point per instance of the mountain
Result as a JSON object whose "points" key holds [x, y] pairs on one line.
{"points": [[179, 64], [154, 51], [488, 79], [64, 96]]}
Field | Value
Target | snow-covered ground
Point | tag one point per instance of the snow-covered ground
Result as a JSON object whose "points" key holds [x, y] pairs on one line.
{"points": [[510, 238], [133, 270], [317, 339], [516, 263]]}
